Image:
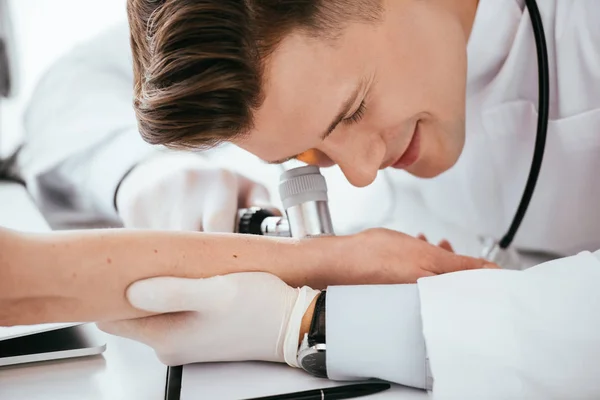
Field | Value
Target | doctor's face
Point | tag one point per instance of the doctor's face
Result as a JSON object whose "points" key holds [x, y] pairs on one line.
{"points": [[387, 94]]}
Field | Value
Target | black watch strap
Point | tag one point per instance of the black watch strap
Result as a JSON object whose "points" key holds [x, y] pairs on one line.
{"points": [[316, 334]]}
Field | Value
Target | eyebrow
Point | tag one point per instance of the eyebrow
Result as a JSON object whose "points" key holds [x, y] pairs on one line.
{"points": [[344, 109]]}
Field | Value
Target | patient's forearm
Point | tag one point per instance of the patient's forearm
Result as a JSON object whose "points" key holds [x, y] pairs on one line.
{"points": [[83, 275]]}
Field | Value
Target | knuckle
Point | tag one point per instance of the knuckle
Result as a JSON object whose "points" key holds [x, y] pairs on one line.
{"points": [[429, 261]]}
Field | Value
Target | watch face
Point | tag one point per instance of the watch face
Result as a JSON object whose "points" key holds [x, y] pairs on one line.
{"points": [[315, 363]]}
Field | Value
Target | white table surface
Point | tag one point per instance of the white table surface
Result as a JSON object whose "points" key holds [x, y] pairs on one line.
{"points": [[254, 379], [126, 370]]}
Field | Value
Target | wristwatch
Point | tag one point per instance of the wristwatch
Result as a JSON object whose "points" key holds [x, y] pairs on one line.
{"points": [[312, 352]]}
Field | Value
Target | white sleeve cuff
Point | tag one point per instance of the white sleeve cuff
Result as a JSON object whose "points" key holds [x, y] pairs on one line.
{"points": [[375, 332]]}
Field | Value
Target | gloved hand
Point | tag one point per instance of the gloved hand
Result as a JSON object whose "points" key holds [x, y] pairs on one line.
{"points": [[250, 316], [179, 191]]}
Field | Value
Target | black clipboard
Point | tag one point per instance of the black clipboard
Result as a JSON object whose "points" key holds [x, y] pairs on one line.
{"points": [[173, 383]]}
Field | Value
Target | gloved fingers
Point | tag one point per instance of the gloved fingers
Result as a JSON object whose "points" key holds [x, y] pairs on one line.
{"points": [[259, 196], [183, 215], [135, 211], [221, 203], [153, 331], [183, 210], [170, 294], [254, 194]]}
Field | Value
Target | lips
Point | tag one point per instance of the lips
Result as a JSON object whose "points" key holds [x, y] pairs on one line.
{"points": [[412, 152]]}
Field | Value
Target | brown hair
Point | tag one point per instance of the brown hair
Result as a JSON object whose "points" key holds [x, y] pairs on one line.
{"points": [[199, 64]]}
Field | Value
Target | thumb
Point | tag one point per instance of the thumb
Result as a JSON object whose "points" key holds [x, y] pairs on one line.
{"points": [[259, 196], [169, 294]]}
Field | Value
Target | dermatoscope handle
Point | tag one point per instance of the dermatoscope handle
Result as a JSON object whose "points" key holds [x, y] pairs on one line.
{"points": [[303, 193]]}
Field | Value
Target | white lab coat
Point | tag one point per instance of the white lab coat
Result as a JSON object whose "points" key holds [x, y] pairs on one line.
{"points": [[81, 133], [487, 334], [483, 191]]}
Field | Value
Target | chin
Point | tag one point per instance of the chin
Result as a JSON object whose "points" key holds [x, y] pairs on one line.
{"points": [[425, 172], [433, 166]]}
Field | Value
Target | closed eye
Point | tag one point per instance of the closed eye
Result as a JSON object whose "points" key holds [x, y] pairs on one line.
{"points": [[357, 116]]}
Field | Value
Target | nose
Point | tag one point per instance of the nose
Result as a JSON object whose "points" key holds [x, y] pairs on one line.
{"points": [[359, 160], [359, 174]]}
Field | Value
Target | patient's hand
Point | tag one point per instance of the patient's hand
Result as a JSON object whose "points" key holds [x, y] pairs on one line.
{"points": [[382, 256], [444, 244]]}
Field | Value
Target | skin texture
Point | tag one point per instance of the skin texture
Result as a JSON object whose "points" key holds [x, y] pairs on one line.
{"points": [[410, 70]]}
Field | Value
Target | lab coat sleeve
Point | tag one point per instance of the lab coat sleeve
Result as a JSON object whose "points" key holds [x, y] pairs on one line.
{"points": [[484, 334], [497, 334], [81, 133], [375, 332]]}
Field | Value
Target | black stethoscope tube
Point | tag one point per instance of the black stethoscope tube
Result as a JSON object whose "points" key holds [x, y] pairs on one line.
{"points": [[542, 123]]}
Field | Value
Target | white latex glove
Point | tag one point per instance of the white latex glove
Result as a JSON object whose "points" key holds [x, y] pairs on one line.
{"points": [[183, 191], [251, 316]]}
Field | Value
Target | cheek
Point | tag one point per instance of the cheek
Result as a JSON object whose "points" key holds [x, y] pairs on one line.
{"points": [[441, 147]]}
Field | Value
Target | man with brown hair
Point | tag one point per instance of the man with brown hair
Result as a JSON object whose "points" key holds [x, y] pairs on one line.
{"points": [[280, 78]]}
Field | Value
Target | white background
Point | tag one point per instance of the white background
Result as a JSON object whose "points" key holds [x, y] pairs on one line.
{"points": [[44, 30]]}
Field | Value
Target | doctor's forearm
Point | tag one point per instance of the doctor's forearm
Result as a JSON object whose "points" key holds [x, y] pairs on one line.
{"points": [[83, 276]]}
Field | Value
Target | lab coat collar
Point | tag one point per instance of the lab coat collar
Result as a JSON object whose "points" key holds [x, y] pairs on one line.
{"points": [[492, 37]]}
